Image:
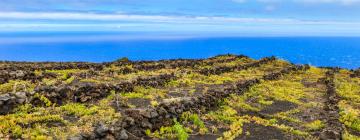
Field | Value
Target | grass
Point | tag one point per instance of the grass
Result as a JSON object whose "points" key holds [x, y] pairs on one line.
{"points": [[42, 98], [145, 92], [233, 112], [349, 116], [224, 117], [288, 116], [348, 89], [177, 131], [180, 131], [65, 74], [78, 109], [315, 125], [70, 80], [242, 103], [265, 93], [50, 122], [234, 131], [273, 123], [28, 125], [230, 118], [304, 89], [195, 119], [347, 136], [192, 78], [49, 82], [16, 85]]}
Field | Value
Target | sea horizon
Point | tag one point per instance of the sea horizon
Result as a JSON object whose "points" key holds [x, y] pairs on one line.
{"points": [[325, 51]]}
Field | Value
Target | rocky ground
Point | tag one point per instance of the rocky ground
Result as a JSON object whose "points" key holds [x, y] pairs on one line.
{"points": [[224, 97]]}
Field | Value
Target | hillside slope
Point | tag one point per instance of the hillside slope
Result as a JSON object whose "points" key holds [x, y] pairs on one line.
{"points": [[224, 97]]}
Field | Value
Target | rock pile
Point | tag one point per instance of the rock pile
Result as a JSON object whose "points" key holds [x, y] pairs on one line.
{"points": [[6, 76], [80, 91], [9, 101], [154, 81]]}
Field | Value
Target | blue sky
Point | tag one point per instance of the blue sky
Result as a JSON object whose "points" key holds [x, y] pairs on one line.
{"points": [[227, 17]]}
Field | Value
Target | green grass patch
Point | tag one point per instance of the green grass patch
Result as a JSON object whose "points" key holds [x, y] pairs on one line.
{"points": [[177, 131], [16, 85], [79, 109], [195, 119], [315, 125]]}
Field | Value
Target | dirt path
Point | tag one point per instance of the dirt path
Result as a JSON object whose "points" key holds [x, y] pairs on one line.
{"points": [[334, 128]]}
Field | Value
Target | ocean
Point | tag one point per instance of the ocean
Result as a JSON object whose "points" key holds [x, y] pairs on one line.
{"points": [[318, 51]]}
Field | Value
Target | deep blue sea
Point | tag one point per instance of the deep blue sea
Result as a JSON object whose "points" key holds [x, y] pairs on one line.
{"points": [[318, 51]]}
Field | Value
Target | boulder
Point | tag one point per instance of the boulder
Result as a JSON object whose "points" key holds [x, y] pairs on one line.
{"points": [[5, 97], [330, 135], [101, 130], [20, 95], [123, 135]]}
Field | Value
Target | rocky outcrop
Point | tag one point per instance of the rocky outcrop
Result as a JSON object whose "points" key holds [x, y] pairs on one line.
{"points": [[356, 73], [9, 101]]}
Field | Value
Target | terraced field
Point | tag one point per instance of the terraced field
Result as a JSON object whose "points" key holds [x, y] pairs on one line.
{"points": [[224, 97]]}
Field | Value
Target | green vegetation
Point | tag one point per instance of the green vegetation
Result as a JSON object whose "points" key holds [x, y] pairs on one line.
{"points": [[148, 93], [28, 123], [42, 98], [279, 90], [180, 131], [235, 130], [288, 116], [193, 78], [51, 122], [49, 82], [349, 116], [195, 119], [176, 131], [70, 80], [347, 136], [348, 89], [65, 74], [240, 109], [315, 125], [16, 85], [79, 109], [228, 116], [292, 105]]}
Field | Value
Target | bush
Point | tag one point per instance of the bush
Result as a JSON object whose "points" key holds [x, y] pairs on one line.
{"points": [[176, 131], [315, 125], [194, 118]]}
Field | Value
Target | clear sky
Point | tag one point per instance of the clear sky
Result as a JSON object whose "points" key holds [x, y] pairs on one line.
{"points": [[227, 17]]}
